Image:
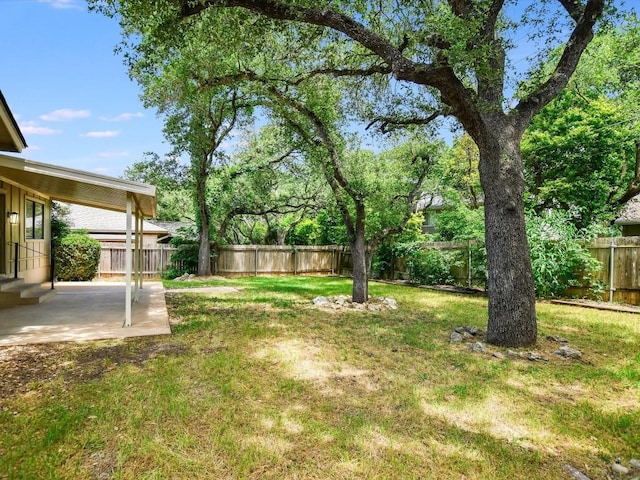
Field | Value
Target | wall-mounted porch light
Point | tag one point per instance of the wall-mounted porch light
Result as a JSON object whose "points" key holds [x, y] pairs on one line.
{"points": [[13, 217]]}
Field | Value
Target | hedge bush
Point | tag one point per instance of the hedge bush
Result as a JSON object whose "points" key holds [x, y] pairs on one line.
{"points": [[431, 267], [77, 258]]}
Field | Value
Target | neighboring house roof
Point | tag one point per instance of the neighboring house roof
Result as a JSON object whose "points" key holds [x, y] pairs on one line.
{"points": [[435, 201], [79, 187], [430, 201], [630, 213], [97, 220], [173, 227], [11, 139]]}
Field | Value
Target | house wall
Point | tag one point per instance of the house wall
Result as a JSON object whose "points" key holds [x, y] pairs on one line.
{"points": [[630, 230], [34, 254], [149, 240]]}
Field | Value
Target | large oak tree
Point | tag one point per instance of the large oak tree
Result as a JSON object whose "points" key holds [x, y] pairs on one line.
{"points": [[456, 51]]}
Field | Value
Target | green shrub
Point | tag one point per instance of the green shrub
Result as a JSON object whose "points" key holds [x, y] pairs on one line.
{"points": [[184, 259], [429, 266], [398, 246], [558, 258], [77, 258]]}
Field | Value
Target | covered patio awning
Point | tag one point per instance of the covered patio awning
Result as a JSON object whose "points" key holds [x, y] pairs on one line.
{"points": [[138, 200], [76, 186]]}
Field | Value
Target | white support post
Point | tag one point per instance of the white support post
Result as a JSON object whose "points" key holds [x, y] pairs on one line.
{"points": [[141, 257], [128, 262], [136, 258]]}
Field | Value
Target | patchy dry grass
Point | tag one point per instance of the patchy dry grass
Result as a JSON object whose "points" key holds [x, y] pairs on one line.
{"points": [[261, 384]]}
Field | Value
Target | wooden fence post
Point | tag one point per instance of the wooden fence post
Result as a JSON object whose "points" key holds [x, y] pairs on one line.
{"points": [[611, 270], [469, 266], [256, 261]]}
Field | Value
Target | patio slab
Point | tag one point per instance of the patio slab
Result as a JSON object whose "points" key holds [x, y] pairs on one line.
{"points": [[86, 311]]}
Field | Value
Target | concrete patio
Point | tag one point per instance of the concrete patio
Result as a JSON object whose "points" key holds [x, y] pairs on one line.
{"points": [[85, 311]]}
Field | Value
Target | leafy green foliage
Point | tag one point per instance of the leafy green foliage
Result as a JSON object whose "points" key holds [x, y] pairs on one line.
{"points": [[460, 223], [77, 257], [184, 259], [401, 245], [578, 155], [429, 266], [59, 222], [306, 232], [580, 152], [558, 257], [171, 179]]}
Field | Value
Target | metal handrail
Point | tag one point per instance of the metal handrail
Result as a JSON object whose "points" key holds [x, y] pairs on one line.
{"points": [[16, 258]]}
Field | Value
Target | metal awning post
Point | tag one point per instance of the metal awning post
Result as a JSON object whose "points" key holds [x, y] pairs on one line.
{"points": [[128, 262]]}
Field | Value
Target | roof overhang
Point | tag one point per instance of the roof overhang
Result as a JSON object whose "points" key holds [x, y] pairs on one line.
{"points": [[11, 139], [76, 186]]}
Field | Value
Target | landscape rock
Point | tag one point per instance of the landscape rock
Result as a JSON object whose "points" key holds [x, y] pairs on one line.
{"points": [[634, 463], [499, 355], [455, 337], [477, 347], [568, 352], [343, 302], [621, 469], [470, 331], [321, 302], [535, 357], [390, 303], [556, 338]]}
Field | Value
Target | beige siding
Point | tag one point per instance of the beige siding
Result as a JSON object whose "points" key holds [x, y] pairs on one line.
{"points": [[33, 254]]}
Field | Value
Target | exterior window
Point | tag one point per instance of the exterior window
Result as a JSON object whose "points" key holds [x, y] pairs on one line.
{"points": [[34, 220]]}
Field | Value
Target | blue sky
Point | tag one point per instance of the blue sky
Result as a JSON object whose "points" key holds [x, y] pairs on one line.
{"points": [[69, 91]]}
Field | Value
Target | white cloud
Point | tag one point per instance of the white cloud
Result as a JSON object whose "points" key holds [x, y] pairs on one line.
{"points": [[62, 3], [32, 128], [102, 134], [65, 114], [113, 154], [123, 117]]}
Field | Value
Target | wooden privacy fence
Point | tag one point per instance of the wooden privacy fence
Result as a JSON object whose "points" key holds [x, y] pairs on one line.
{"points": [[619, 257], [235, 260]]}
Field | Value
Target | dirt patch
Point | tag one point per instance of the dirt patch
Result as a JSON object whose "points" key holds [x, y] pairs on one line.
{"points": [[102, 464], [26, 368]]}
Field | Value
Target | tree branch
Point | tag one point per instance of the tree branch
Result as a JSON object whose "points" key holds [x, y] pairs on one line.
{"points": [[578, 41], [388, 124], [345, 72], [438, 75]]}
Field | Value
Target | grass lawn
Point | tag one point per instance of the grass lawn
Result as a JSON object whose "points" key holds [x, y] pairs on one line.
{"points": [[262, 385]]}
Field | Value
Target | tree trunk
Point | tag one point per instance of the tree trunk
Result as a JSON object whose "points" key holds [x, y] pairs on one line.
{"points": [[204, 250], [512, 315], [360, 292]]}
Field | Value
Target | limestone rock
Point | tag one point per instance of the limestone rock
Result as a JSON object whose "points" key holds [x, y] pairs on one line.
{"points": [[634, 463], [390, 303], [477, 347], [616, 467], [535, 357], [321, 301], [455, 337], [556, 338], [568, 352]]}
